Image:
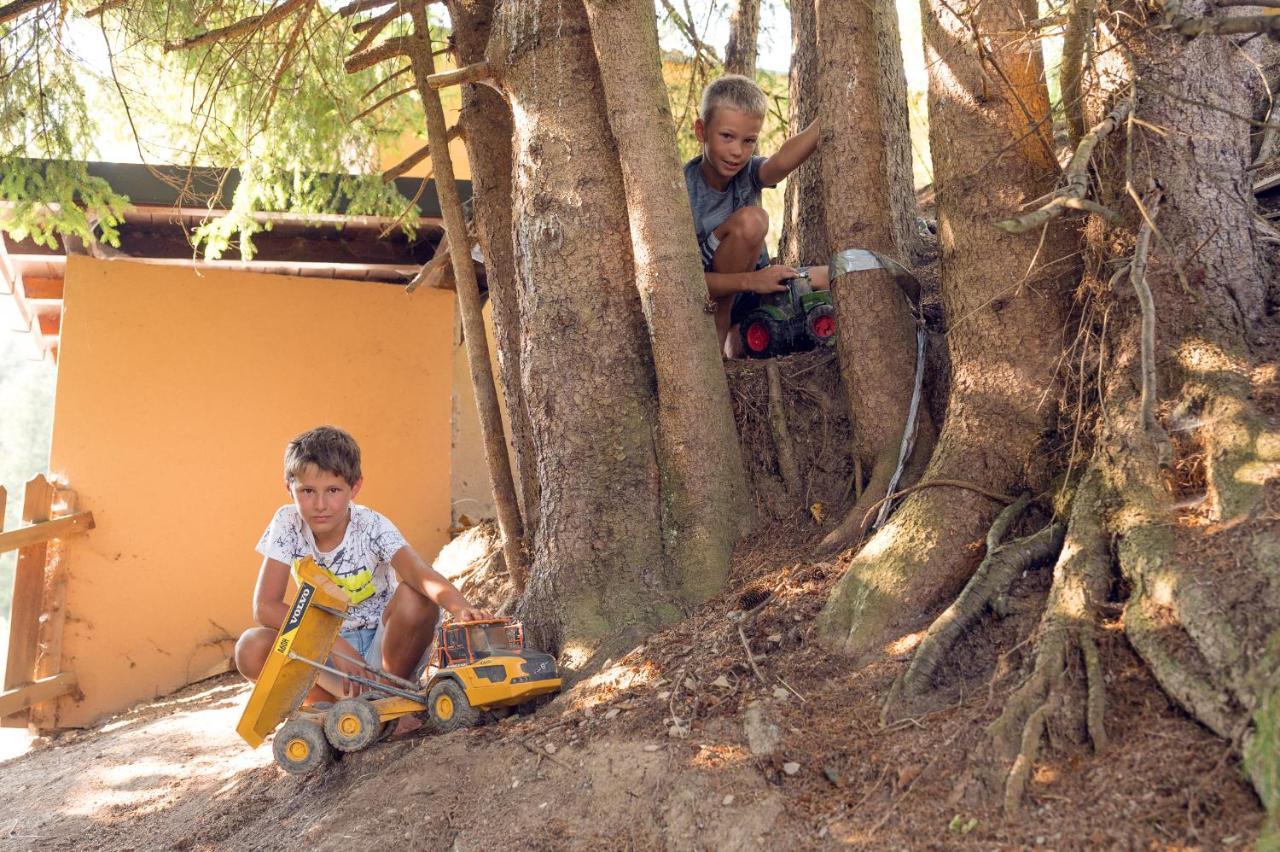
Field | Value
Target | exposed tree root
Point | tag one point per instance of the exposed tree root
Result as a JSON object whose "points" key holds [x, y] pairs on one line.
{"points": [[1080, 580], [998, 570], [781, 434]]}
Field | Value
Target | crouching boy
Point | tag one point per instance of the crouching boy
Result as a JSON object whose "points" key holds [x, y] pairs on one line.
{"points": [[396, 597], [724, 185]]}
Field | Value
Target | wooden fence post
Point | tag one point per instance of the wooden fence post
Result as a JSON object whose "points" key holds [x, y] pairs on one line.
{"points": [[28, 597], [53, 615]]}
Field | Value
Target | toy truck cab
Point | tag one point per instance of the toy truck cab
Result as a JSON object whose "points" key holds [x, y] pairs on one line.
{"points": [[483, 665]]}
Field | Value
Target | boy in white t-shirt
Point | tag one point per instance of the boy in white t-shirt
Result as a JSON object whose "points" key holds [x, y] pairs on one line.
{"points": [[396, 596]]}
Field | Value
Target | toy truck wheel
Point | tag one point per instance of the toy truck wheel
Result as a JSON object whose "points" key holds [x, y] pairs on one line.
{"points": [[820, 323], [352, 724], [449, 707], [762, 335], [300, 747]]}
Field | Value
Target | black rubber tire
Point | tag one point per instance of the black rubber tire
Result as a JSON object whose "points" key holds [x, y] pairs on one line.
{"points": [[352, 724], [449, 708], [300, 747], [778, 336]]}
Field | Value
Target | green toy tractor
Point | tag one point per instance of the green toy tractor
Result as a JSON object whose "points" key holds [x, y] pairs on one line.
{"points": [[794, 320]]}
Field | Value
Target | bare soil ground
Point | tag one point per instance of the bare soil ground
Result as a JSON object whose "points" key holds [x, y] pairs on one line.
{"points": [[678, 745]]}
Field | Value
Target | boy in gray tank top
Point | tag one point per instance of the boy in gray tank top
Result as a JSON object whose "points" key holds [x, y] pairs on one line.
{"points": [[724, 184]]}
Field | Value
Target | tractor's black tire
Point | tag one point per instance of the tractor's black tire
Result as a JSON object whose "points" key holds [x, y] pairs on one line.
{"points": [[763, 336], [449, 708], [820, 325], [300, 747], [352, 724]]}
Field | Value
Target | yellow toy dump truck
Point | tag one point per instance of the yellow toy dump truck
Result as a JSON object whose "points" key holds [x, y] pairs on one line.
{"points": [[474, 667]]}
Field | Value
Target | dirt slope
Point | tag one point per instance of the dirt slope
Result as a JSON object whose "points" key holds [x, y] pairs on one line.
{"points": [[600, 767]]}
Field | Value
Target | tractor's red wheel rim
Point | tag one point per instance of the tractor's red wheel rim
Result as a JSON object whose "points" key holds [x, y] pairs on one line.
{"points": [[824, 326], [757, 337]]}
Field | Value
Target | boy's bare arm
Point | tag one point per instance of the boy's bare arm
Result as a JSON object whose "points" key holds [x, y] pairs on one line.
{"points": [[767, 280], [269, 607], [788, 158], [411, 568]]}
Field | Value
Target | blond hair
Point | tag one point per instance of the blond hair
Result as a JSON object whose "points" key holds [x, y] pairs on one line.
{"points": [[733, 90], [328, 448]]}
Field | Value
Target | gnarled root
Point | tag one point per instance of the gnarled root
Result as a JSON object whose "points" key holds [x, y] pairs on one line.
{"points": [[1080, 581], [1001, 566]]}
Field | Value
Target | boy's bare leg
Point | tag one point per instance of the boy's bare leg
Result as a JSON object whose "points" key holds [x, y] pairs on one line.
{"points": [[252, 649], [741, 238], [409, 625]]}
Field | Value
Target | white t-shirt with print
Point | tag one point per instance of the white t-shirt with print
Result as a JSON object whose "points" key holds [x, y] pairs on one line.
{"points": [[363, 557]]}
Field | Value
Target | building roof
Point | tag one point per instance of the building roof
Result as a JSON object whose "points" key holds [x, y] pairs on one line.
{"points": [[167, 202]]}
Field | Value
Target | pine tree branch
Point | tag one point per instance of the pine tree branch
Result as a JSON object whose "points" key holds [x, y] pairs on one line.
{"points": [[16, 9], [392, 47], [362, 6], [383, 102], [105, 7], [474, 73], [373, 27], [1191, 27], [245, 26], [416, 157], [1072, 196]]}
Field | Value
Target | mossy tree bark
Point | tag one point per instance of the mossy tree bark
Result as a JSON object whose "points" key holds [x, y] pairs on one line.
{"points": [[864, 171], [1004, 296]]}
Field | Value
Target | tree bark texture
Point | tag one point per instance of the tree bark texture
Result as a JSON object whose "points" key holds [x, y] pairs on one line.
{"points": [[598, 575], [486, 123], [1210, 632], [803, 238], [468, 292], [744, 31], [1004, 297], [877, 341], [704, 494]]}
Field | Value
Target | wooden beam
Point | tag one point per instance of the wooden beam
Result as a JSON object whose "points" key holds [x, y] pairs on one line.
{"points": [[46, 531], [20, 698], [50, 323], [37, 287], [28, 597]]}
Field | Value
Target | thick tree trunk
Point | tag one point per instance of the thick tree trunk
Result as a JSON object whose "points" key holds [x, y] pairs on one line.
{"points": [[803, 238], [703, 482], [877, 340], [1005, 302], [486, 123], [599, 578], [1210, 632], [744, 30]]}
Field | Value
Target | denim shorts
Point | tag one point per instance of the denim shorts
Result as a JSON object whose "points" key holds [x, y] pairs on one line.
{"points": [[368, 643]]}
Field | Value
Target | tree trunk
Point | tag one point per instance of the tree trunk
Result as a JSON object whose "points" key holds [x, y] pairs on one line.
{"points": [[599, 579], [704, 493], [1004, 297], [1208, 627], [877, 340], [469, 305], [803, 238], [744, 31], [486, 123]]}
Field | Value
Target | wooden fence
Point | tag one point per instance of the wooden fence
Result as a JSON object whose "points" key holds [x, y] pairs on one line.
{"points": [[33, 676]]}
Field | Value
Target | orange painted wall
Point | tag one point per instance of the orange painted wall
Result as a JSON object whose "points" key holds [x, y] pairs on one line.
{"points": [[177, 392]]}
